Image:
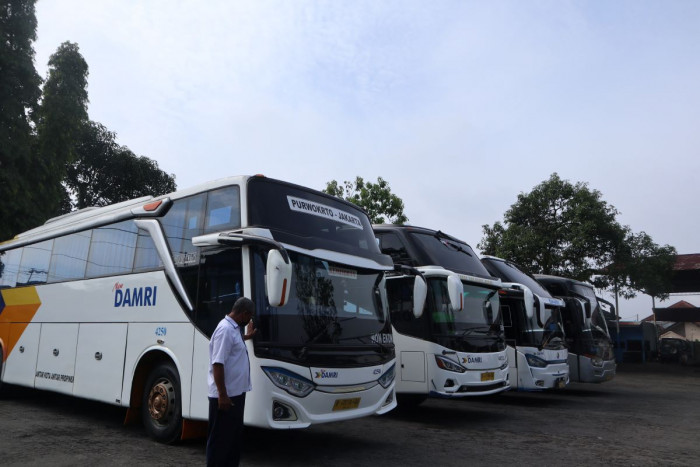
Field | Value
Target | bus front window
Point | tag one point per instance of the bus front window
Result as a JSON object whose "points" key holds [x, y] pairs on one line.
{"points": [[329, 305]]}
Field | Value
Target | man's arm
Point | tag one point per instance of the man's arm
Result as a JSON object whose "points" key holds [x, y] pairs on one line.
{"points": [[225, 402]]}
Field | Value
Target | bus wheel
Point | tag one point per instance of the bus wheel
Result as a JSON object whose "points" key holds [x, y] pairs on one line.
{"points": [[161, 408], [410, 401]]}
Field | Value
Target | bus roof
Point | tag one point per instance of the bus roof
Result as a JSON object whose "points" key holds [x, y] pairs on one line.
{"points": [[95, 216]]}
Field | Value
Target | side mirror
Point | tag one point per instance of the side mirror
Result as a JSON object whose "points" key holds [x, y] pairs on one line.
{"points": [[529, 302], [455, 290], [587, 307], [420, 292], [278, 278]]}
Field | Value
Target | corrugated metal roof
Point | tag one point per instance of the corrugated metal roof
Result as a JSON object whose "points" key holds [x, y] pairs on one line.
{"points": [[687, 262]]}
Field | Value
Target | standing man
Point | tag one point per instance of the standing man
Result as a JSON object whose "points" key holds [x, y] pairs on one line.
{"points": [[229, 380]]}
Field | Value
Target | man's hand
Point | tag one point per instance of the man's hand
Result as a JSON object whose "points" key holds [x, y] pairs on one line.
{"points": [[225, 402], [250, 330]]}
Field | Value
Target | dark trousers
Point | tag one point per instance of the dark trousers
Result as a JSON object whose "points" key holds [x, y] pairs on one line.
{"points": [[225, 432]]}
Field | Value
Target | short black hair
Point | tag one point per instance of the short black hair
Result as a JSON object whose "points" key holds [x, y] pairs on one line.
{"points": [[243, 305]]}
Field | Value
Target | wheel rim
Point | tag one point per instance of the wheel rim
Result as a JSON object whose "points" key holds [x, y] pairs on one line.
{"points": [[161, 399]]}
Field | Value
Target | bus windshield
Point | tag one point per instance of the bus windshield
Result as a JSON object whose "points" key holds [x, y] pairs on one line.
{"points": [[309, 220], [449, 253], [330, 307], [477, 326], [508, 272], [599, 328]]}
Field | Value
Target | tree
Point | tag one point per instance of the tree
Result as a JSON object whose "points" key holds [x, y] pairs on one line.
{"points": [[376, 199], [106, 173], [569, 230], [61, 117], [19, 97]]}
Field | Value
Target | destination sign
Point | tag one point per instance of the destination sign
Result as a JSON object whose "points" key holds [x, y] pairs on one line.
{"points": [[322, 210]]}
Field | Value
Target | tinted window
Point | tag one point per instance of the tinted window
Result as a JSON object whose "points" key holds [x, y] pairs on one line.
{"points": [[453, 255], [223, 210], [9, 267], [184, 220], [34, 268], [391, 245], [508, 272], [112, 249], [69, 257], [311, 220], [146, 253], [400, 295]]}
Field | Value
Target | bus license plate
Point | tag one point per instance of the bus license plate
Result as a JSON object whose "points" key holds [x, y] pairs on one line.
{"points": [[346, 404], [487, 376]]}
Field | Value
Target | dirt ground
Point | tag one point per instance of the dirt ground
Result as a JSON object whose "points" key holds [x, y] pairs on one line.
{"points": [[648, 415]]}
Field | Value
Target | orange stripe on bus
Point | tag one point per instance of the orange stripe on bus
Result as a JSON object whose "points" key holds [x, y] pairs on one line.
{"points": [[20, 306]]}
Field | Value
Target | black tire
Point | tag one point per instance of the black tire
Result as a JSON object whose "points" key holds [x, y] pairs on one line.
{"points": [[410, 401], [161, 406]]}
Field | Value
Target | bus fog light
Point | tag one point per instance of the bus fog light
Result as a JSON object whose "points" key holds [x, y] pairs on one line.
{"points": [[389, 399], [449, 383], [282, 412], [539, 383]]}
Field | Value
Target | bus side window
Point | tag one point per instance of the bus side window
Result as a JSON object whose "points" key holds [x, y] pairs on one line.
{"points": [[34, 268], [220, 285], [390, 244], [223, 210], [400, 295], [112, 249], [69, 257], [9, 267]]}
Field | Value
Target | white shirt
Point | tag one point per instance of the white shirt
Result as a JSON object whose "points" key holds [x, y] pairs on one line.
{"points": [[228, 348]]}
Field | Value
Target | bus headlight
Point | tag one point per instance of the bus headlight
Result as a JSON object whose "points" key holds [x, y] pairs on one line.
{"points": [[449, 365], [597, 361], [535, 361], [388, 377], [291, 382]]}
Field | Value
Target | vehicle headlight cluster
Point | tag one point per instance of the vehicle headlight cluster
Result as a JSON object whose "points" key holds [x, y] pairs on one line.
{"points": [[535, 361], [388, 377], [449, 365], [294, 384], [597, 361]]}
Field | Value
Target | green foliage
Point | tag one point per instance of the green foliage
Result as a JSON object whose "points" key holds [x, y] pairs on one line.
{"points": [[52, 158], [61, 117], [19, 96], [106, 173], [376, 199], [568, 230]]}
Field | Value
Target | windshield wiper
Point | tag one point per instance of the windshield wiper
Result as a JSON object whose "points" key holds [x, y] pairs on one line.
{"points": [[322, 332], [440, 235]]}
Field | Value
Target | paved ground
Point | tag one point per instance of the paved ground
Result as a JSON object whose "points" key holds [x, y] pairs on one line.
{"points": [[648, 415]]}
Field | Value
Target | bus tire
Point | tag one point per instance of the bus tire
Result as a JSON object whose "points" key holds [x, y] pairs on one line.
{"points": [[410, 401], [161, 408]]}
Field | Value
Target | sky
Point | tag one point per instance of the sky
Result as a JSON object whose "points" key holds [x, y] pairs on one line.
{"points": [[459, 105]]}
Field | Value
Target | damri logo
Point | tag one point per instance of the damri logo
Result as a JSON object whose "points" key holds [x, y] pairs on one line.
{"points": [[136, 296], [326, 374]]}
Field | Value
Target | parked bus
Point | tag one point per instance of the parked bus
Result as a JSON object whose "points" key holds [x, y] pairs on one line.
{"points": [[532, 320], [591, 358], [118, 303], [456, 347]]}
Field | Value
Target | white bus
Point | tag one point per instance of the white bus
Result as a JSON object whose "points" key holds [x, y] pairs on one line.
{"points": [[591, 358], [532, 320], [117, 304], [456, 347]]}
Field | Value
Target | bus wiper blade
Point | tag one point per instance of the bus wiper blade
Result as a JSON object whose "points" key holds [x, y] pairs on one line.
{"points": [[440, 235]]}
